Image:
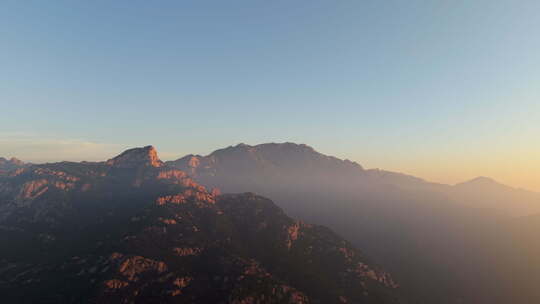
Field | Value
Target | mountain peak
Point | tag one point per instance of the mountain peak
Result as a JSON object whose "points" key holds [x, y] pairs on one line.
{"points": [[145, 156], [484, 178], [481, 181], [287, 145]]}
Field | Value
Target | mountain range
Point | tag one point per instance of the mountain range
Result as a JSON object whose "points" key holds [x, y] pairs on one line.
{"points": [[136, 230], [464, 243], [437, 239], [264, 166]]}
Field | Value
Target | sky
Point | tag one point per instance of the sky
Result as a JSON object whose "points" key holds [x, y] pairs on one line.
{"points": [[444, 90]]}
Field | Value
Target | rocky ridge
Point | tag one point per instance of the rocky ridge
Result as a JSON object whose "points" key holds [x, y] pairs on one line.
{"points": [[134, 230]]}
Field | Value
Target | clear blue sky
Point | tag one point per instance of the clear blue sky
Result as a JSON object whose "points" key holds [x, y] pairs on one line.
{"points": [[401, 85]]}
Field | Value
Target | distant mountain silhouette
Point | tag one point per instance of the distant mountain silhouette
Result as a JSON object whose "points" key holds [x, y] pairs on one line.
{"points": [[133, 230], [486, 193], [434, 237]]}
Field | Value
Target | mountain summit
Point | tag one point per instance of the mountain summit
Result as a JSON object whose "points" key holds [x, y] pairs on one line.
{"points": [[249, 167], [479, 181], [136, 157]]}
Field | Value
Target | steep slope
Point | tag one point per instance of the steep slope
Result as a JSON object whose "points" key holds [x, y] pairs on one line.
{"points": [[132, 230], [436, 239]]}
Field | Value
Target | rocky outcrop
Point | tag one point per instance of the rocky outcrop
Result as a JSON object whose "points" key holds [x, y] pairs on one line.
{"points": [[171, 174], [292, 233], [136, 157], [131, 268], [33, 189], [365, 271], [198, 195], [115, 284], [186, 251]]}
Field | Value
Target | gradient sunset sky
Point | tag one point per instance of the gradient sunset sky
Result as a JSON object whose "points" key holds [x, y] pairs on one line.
{"points": [[444, 90]]}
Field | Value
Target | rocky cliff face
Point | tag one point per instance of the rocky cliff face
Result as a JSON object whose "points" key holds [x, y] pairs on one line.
{"points": [[136, 157], [133, 230]]}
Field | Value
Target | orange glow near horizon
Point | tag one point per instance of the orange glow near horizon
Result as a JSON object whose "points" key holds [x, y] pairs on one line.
{"points": [[518, 169]]}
